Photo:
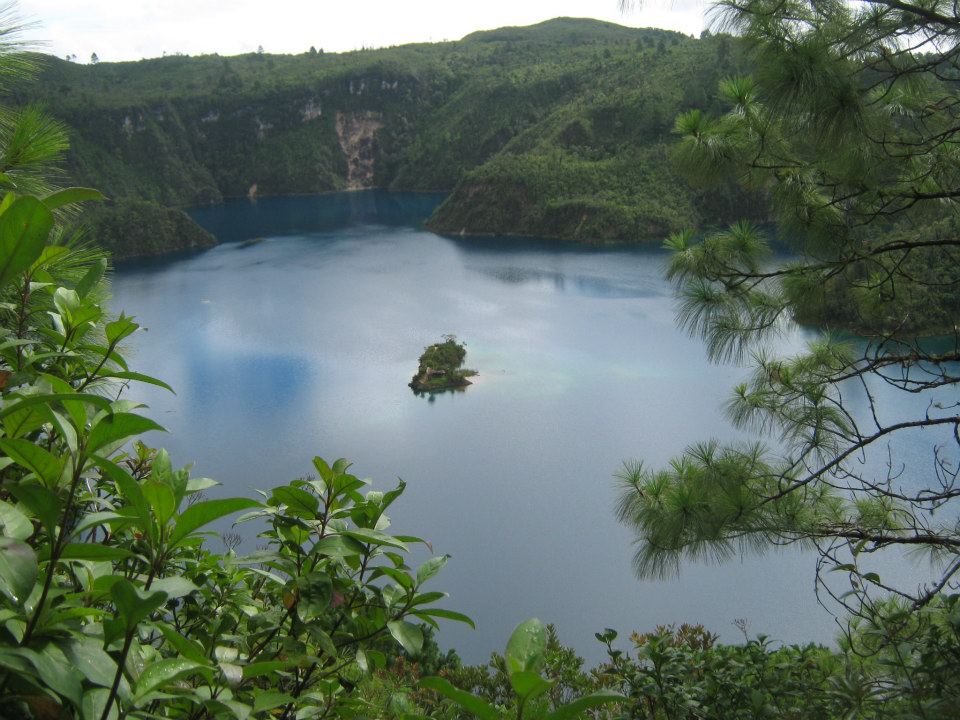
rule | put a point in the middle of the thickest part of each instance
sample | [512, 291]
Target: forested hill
[560, 129]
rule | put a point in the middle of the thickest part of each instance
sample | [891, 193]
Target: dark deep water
[303, 344]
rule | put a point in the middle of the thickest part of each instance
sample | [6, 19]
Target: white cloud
[134, 29]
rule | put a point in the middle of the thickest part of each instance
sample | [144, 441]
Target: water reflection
[304, 344]
[244, 219]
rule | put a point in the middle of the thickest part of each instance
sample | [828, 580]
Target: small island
[441, 367]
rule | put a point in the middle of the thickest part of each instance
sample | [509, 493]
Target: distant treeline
[560, 129]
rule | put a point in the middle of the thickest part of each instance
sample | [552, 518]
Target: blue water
[303, 344]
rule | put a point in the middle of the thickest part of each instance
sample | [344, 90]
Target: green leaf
[479, 707]
[139, 377]
[13, 523]
[92, 551]
[259, 669]
[116, 427]
[202, 513]
[187, 647]
[24, 228]
[71, 195]
[526, 647]
[95, 702]
[407, 634]
[399, 576]
[162, 672]
[18, 569]
[160, 496]
[174, 587]
[446, 615]
[529, 685]
[299, 503]
[373, 537]
[43, 503]
[55, 670]
[337, 546]
[119, 329]
[34, 458]
[195, 485]
[87, 655]
[575, 709]
[92, 277]
[132, 605]
[130, 490]
[314, 592]
[269, 699]
[23, 403]
[430, 568]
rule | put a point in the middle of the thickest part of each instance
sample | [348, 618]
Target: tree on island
[851, 123]
[441, 367]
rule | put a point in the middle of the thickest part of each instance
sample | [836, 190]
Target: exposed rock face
[312, 110]
[357, 134]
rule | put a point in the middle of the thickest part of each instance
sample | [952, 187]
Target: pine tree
[851, 123]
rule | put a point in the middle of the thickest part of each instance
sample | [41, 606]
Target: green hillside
[559, 129]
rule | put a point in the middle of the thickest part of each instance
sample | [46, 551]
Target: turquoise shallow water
[303, 344]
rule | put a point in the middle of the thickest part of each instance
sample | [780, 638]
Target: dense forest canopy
[571, 119]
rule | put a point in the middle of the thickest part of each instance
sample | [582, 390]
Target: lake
[303, 343]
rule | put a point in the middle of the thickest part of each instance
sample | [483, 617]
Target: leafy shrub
[112, 604]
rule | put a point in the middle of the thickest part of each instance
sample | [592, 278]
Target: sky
[133, 29]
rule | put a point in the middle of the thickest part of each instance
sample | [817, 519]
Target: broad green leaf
[161, 672]
[270, 699]
[24, 228]
[399, 576]
[22, 403]
[260, 669]
[187, 647]
[313, 594]
[529, 685]
[160, 496]
[373, 537]
[299, 503]
[430, 568]
[71, 195]
[55, 671]
[92, 277]
[195, 485]
[232, 673]
[66, 301]
[92, 551]
[87, 655]
[526, 647]
[133, 605]
[428, 597]
[130, 490]
[41, 502]
[95, 702]
[13, 523]
[576, 709]
[34, 458]
[139, 377]
[119, 329]
[50, 254]
[446, 615]
[174, 587]
[117, 427]
[407, 634]
[337, 546]
[202, 513]
[479, 707]
[18, 569]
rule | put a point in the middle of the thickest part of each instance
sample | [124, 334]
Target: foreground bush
[112, 604]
